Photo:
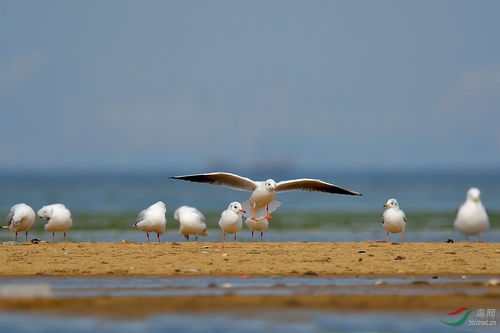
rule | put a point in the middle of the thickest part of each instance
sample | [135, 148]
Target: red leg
[158, 235]
[64, 235]
[186, 237]
[268, 216]
[234, 237]
[196, 237]
[254, 218]
[26, 236]
[16, 236]
[223, 239]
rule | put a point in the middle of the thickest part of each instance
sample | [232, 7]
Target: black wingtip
[349, 192]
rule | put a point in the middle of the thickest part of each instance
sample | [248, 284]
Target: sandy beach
[242, 259]
[252, 259]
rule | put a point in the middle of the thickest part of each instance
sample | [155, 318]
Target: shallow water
[269, 236]
[262, 286]
[286, 321]
[247, 320]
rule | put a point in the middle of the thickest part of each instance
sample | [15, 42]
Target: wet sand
[254, 259]
[140, 307]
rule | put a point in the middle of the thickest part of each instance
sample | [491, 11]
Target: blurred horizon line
[249, 171]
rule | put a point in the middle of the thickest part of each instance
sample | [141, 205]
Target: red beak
[386, 205]
[243, 211]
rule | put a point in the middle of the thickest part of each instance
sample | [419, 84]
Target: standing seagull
[20, 218]
[152, 219]
[472, 218]
[260, 225]
[191, 221]
[264, 192]
[393, 219]
[230, 220]
[58, 218]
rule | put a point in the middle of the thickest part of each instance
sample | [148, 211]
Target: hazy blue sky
[194, 84]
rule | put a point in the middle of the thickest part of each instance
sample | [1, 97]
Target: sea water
[111, 201]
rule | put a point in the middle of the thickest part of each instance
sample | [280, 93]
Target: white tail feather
[247, 207]
[261, 212]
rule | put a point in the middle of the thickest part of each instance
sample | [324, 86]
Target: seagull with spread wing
[264, 192]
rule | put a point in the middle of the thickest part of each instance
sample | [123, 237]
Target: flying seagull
[264, 192]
